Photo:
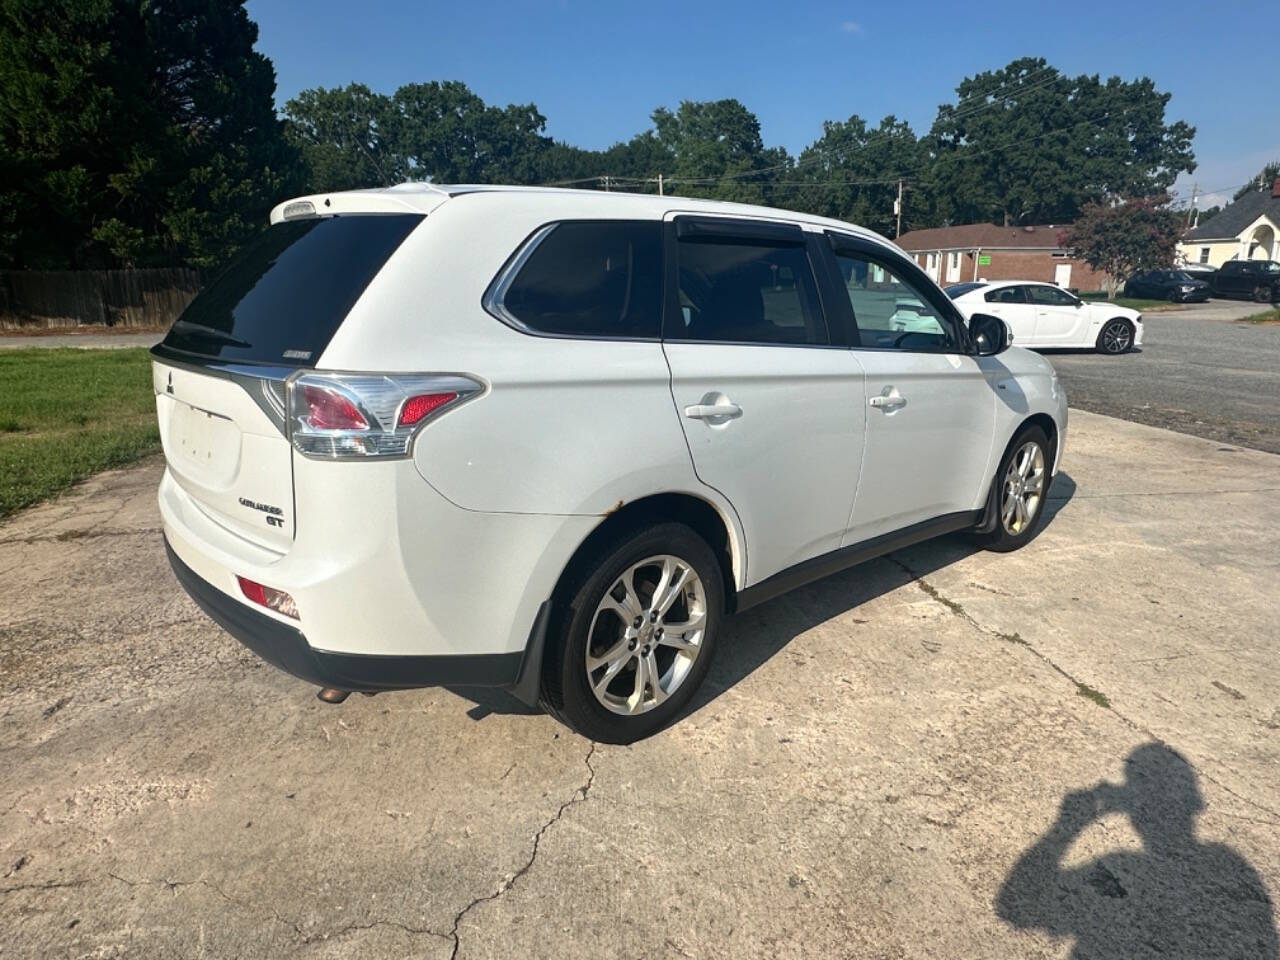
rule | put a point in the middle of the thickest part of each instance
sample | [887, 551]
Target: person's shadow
[1177, 898]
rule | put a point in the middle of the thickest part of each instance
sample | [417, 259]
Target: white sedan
[1043, 316]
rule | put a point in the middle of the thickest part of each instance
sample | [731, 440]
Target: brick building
[984, 251]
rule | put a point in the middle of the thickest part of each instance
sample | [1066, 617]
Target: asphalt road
[1200, 371]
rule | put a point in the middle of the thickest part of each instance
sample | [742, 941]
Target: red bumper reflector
[423, 405]
[268, 597]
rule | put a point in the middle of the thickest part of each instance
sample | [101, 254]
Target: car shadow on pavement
[1176, 897]
[751, 639]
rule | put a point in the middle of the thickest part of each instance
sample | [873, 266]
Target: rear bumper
[287, 648]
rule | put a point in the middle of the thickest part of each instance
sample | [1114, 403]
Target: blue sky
[596, 71]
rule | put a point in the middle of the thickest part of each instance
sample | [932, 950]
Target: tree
[134, 133]
[1026, 144]
[353, 137]
[854, 171]
[1263, 181]
[1126, 238]
[340, 134]
[716, 151]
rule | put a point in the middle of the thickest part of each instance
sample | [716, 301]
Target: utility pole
[1195, 189]
[606, 183]
[660, 193]
[897, 209]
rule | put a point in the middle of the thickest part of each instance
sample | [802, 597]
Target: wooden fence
[38, 299]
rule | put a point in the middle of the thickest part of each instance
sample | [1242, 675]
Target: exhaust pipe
[332, 695]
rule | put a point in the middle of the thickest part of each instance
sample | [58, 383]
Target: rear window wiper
[209, 333]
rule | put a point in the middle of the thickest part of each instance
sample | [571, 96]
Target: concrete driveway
[939, 754]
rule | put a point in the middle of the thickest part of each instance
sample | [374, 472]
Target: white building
[1248, 229]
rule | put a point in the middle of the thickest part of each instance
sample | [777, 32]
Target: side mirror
[990, 334]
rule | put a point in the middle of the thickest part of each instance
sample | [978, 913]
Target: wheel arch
[1050, 428]
[698, 513]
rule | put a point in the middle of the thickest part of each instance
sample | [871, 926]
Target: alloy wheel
[1023, 488]
[1116, 337]
[646, 634]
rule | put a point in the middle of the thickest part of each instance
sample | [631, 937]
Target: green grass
[1135, 303]
[1266, 316]
[66, 414]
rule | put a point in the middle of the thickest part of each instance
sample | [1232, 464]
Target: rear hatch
[219, 375]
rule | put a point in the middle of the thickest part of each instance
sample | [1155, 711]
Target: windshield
[960, 289]
[284, 297]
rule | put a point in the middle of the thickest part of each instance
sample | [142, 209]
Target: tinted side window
[1007, 295]
[890, 312]
[747, 293]
[588, 278]
[1050, 297]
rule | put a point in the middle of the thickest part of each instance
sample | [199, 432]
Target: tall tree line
[137, 132]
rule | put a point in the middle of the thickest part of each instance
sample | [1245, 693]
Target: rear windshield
[960, 289]
[284, 297]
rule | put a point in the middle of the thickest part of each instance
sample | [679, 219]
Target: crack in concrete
[49, 885]
[579, 796]
[1081, 688]
[302, 937]
[70, 535]
[173, 885]
[361, 927]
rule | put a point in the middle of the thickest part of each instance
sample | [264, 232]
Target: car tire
[1115, 337]
[607, 699]
[1173, 296]
[1262, 294]
[1028, 461]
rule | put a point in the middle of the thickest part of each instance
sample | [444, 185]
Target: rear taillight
[268, 597]
[350, 416]
[330, 410]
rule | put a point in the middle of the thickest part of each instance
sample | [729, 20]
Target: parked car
[1258, 279]
[549, 440]
[1177, 286]
[1042, 315]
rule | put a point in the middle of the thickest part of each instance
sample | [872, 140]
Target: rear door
[219, 375]
[930, 406]
[771, 405]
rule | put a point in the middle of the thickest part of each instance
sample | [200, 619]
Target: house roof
[1228, 222]
[986, 235]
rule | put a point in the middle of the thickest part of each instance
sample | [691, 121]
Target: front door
[1062, 275]
[773, 412]
[1059, 316]
[930, 409]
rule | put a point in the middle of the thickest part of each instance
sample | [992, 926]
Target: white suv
[547, 440]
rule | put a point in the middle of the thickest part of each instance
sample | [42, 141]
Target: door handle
[889, 402]
[722, 409]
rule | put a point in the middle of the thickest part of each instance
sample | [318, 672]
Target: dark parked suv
[1259, 279]
[1175, 285]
